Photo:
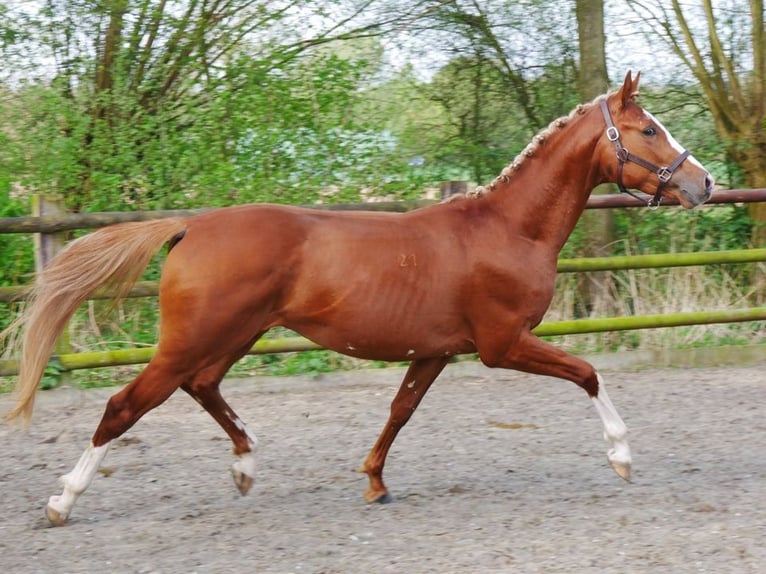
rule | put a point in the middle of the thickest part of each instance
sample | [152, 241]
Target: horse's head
[647, 157]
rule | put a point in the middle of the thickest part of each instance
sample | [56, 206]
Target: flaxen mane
[531, 149]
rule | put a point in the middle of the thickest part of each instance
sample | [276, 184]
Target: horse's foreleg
[533, 355]
[418, 379]
[614, 431]
[152, 387]
[205, 390]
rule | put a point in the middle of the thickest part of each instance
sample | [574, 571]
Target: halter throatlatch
[623, 156]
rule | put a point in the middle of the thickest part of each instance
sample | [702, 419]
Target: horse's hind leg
[204, 388]
[75, 482]
[149, 389]
[417, 380]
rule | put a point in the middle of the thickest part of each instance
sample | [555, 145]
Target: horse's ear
[629, 89]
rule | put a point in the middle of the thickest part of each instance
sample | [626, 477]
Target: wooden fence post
[450, 188]
[47, 245]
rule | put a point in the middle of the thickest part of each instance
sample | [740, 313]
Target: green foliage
[16, 255]
[671, 230]
[304, 363]
[287, 134]
[300, 140]
[477, 118]
[52, 375]
[479, 123]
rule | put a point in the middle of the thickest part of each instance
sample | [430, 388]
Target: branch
[152, 29]
[479, 24]
[712, 84]
[759, 60]
[720, 61]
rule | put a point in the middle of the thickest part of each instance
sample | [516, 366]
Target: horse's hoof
[54, 516]
[244, 482]
[622, 469]
[385, 498]
[378, 497]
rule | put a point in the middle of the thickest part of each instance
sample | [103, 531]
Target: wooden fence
[49, 224]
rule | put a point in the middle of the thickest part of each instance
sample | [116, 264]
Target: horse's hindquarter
[222, 279]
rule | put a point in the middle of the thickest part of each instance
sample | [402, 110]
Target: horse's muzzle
[693, 196]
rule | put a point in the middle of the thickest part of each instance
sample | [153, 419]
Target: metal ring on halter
[623, 154]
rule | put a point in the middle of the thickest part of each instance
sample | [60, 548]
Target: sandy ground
[496, 472]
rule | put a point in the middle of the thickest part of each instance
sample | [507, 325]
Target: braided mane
[531, 149]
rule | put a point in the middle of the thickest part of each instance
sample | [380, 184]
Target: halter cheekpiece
[623, 156]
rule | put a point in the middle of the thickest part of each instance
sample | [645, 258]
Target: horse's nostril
[709, 181]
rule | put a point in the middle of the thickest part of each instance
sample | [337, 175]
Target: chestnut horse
[372, 285]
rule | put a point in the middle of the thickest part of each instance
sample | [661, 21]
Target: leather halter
[623, 156]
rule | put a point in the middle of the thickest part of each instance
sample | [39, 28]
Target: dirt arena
[497, 472]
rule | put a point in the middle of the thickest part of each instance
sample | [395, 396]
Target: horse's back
[353, 281]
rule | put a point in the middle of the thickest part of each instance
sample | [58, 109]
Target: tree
[145, 97]
[725, 49]
[482, 128]
[525, 40]
[511, 70]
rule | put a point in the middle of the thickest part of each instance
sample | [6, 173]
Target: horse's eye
[650, 131]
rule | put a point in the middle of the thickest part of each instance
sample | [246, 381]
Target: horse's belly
[380, 339]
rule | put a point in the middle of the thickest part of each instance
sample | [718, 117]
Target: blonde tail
[113, 257]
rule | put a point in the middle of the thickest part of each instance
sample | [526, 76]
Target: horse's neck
[546, 196]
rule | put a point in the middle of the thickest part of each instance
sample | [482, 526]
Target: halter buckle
[664, 174]
[612, 134]
[623, 154]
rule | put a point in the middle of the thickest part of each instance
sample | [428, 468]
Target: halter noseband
[623, 156]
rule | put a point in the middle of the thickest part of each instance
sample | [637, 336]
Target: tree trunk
[593, 81]
[755, 168]
[108, 56]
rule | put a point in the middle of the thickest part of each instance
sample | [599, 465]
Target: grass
[652, 291]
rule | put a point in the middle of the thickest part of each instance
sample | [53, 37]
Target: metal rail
[53, 224]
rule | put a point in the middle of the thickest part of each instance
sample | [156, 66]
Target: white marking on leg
[76, 481]
[246, 462]
[614, 432]
[251, 438]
